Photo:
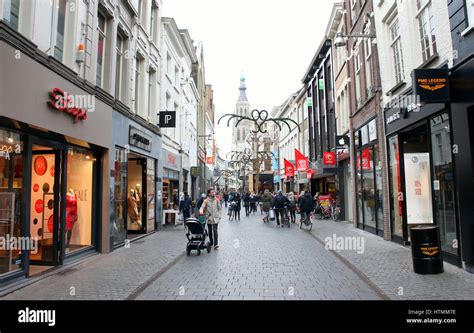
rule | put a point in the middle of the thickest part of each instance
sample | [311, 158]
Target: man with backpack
[279, 204]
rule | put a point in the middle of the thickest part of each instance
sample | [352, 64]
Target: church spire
[243, 89]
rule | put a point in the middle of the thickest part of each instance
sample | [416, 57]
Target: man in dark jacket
[185, 206]
[307, 205]
[279, 203]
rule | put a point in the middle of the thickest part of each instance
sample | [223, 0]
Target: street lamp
[340, 40]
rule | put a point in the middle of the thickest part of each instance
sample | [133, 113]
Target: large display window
[11, 183]
[119, 230]
[79, 199]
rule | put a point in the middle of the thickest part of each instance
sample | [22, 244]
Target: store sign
[310, 102]
[210, 160]
[432, 85]
[342, 141]
[195, 172]
[167, 119]
[139, 139]
[62, 101]
[302, 163]
[6, 150]
[329, 158]
[365, 161]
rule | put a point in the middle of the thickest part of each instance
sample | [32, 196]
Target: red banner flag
[289, 169]
[301, 161]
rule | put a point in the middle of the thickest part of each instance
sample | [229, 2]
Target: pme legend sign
[432, 85]
[167, 119]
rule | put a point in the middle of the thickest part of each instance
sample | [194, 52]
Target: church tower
[241, 108]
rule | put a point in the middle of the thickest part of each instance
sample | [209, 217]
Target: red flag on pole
[289, 169]
[301, 161]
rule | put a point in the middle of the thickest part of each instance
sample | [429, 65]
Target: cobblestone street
[254, 262]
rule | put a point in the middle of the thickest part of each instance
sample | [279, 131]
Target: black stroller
[197, 235]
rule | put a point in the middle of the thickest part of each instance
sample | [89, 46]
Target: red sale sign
[289, 169]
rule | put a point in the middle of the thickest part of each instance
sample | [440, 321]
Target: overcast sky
[271, 41]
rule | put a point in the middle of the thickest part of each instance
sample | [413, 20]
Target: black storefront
[423, 154]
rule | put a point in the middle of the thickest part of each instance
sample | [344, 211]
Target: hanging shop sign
[195, 171]
[329, 158]
[289, 169]
[432, 85]
[62, 101]
[302, 163]
[139, 139]
[210, 160]
[310, 102]
[167, 119]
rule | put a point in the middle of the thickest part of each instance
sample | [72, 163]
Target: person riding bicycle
[279, 204]
[307, 205]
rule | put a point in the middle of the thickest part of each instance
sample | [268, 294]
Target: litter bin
[426, 250]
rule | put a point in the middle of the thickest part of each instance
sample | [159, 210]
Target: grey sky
[271, 41]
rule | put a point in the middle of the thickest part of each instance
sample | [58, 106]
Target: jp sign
[167, 119]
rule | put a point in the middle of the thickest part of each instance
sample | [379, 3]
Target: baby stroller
[197, 235]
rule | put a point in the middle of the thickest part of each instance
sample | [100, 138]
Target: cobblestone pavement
[255, 261]
[260, 262]
[111, 276]
[389, 266]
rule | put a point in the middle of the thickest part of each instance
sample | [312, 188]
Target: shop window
[396, 193]
[119, 231]
[443, 181]
[79, 199]
[151, 189]
[11, 182]
[378, 187]
[369, 195]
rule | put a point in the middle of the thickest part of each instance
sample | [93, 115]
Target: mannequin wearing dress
[132, 208]
[71, 213]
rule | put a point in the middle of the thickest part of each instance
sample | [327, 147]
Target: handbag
[271, 214]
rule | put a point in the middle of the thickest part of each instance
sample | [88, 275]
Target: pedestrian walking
[238, 207]
[247, 204]
[266, 204]
[292, 206]
[279, 203]
[185, 207]
[211, 209]
[253, 203]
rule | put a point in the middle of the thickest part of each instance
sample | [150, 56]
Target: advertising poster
[418, 188]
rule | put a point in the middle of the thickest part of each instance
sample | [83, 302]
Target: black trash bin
[426, 250]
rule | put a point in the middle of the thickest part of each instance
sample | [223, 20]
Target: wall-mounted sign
[171, 161]
[167, 119]
[432, 85]
[195, 171]
[329, 158]
[139, 139]
[61, 101]
[342, 141]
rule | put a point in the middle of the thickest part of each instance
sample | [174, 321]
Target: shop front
[422, 174]
[54, 140]
[344, 185]
[171, 179]
[134, 184]
[369, 179]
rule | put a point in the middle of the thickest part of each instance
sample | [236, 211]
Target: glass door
[44, 211]
[396, 187]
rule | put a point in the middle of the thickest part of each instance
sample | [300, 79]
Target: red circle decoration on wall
[40, 165]
[36, 188]
[51, 170]
[39, 206]
[50, 223]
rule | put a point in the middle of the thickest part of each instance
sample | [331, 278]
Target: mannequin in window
[132, 208]
[138, 197]
[71, 214]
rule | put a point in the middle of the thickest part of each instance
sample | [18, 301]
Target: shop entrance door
[45, 203]
[137, 195]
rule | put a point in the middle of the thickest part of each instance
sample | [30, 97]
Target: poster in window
[418, 188]
[364, 133]
[372, 131]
